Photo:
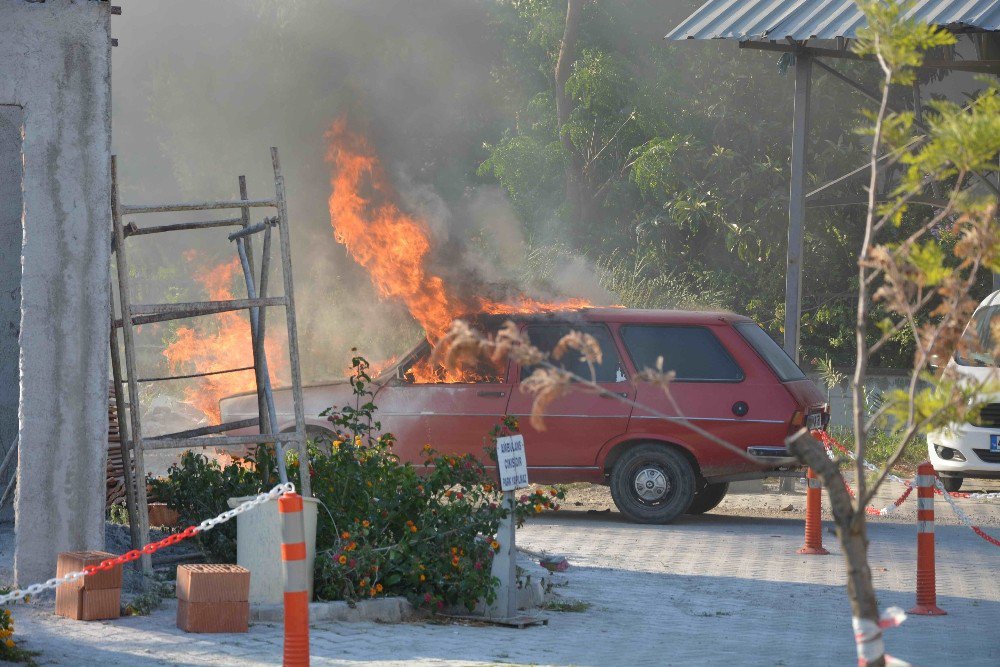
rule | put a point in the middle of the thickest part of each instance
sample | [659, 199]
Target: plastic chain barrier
[828, 440]
[962, 516]
[869, 510]
[153, 547]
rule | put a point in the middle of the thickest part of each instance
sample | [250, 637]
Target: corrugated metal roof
[777, 20]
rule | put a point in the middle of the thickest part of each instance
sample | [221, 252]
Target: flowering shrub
[9, 650]
[391, 530]
[384, 528]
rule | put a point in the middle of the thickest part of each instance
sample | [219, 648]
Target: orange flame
[220, 342]
[395, 247]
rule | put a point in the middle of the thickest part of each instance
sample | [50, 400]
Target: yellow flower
[342, 559]
[423, 578]
[495, 545]
[538, 508]
[9, 643]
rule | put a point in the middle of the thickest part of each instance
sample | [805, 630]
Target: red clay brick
[88, 605]
[161, 515]
[213, 583]
[213, 616]
[74, 561]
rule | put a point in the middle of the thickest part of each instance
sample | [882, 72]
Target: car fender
[642, 436]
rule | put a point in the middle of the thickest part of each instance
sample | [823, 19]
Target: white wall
[55, 62]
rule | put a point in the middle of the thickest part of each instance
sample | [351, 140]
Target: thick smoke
[202, 90]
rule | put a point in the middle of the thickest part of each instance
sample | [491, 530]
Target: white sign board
[511, 462]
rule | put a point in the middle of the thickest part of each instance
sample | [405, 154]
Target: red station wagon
[732, 380]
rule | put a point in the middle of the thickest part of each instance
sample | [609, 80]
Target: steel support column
[797, 203]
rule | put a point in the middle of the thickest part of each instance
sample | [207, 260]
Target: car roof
[623, 316]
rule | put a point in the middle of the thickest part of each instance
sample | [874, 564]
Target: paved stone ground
[709, 590]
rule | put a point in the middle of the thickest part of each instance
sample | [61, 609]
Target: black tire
[952, 484]
[665, 476]
[708, 498]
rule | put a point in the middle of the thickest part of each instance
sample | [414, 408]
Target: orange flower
[538, 508]
[487, 487]
[423, 578]
[454, 561]
[378, 587]
[552, 492]
[413, 528]
[366, 523]
[345, 535]
[495, 545]
[342, 560]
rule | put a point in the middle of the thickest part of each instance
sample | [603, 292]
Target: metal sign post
[513, 468]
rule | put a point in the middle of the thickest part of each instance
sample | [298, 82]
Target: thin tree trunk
[567, 54]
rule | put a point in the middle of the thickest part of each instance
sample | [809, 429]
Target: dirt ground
[596, 499]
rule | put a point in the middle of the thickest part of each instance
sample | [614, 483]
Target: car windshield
[978, 343]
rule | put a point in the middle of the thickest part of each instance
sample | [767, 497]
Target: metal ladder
[129, 315]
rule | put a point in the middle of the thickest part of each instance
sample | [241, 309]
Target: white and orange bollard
[296, 580]
[926, 584]
[814, 518]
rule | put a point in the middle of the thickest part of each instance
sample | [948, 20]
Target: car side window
[546, 336]
[692, 352]
[483, 370]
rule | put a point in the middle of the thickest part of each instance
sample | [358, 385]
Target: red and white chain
[827, 440]
[962, 516]
[207, 524]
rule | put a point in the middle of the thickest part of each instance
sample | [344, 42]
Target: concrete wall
[880, 381]
[55, 62]
[11, 118]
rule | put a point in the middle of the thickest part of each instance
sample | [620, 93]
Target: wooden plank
[121, 263]
[208, 430]
[293, 331]
[221, 441]
[132, 230]
[132, 209]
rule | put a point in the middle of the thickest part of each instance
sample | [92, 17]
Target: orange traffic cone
[814, 522]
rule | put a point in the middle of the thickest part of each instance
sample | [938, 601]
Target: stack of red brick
[213, 598]
[91, 598]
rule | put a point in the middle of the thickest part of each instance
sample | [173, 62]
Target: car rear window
[693, 353]
[771, 352]
[546, 337]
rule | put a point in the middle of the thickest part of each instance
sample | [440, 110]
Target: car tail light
[797, 422]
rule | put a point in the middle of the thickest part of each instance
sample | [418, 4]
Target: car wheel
[951, 484]
[652, 484]
[708, 498]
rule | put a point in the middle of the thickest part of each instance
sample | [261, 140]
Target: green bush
[384, 528]
[881, 445]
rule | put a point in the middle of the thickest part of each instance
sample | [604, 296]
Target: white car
[972, 450]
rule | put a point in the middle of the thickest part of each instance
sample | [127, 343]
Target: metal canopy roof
[801, 20]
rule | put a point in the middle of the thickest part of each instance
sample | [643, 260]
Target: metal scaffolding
[129, 315]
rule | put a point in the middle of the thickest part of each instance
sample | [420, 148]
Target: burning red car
[732, 380]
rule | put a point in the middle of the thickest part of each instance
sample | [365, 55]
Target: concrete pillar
[55, 62]
[797, 204]
[11, 118]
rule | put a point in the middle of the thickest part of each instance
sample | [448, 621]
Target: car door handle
[492, 394]
[612, 394]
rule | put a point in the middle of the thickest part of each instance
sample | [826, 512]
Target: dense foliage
[680, 155]
[384, 527]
